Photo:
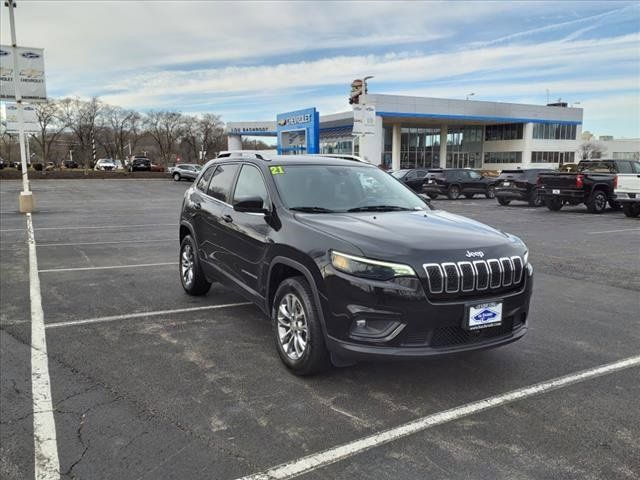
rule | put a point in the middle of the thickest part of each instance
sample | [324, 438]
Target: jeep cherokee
[348, 262]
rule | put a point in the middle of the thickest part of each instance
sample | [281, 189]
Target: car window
[474, 175]
[636, 166]
[221, 182]
[188, 167]
[411, 175]
[421, 173]
[624, 167]
[204, 179]
[250, 184]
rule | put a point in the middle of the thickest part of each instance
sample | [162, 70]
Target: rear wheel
[597, 202]
[297, 329]
[504, 201]
[454, 192]
[176, 177]
[535, 200]
[553, 204]
[191, 275]
[491, 192]
[631, 209]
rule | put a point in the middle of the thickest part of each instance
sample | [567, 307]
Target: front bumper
[564, 194]
[627, 197]
[411, 325]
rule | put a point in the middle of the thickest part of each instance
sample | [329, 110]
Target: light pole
[469, 95]
[364, 84]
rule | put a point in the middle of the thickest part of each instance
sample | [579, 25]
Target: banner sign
[30, 74]
[299, 131]
[364, 120]
[9, 118]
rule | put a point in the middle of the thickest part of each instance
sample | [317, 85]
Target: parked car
[454, 182]
[70, 164]
[187, 171]
[156, 168]
[2, 165]
[412, 178]
[105, 164]
[627, 192]
[521, 184]
[140, 163]
[344, 275]
[593, 184]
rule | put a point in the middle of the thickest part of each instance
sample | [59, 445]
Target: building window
[553, 157]
[503, 157]
[509, 131]
[554, 131]
[626, 155]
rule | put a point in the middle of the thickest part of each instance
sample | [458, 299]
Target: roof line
[476, 117]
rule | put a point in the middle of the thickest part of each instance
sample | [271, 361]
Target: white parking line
[106, 243]
[616, 231]
[110, 267]
[47, 464]
[154, 313]
[77, 227]
[333, 455]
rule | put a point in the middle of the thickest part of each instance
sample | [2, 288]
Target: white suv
[627, 190]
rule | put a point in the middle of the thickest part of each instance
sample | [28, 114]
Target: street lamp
[364, 84]
[470, 95]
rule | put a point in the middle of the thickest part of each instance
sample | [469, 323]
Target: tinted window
[636, 166]
[222, 180]
[624, 167]
[474, 175]
[250, 184]
[204, 179]
[187, 167]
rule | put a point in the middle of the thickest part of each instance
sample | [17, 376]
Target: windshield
[330, 188]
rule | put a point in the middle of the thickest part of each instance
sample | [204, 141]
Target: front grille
[495, 274]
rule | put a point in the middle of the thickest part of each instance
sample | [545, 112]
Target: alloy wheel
[293, 332]
[187, 265]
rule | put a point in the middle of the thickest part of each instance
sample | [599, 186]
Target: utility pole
[26, 201]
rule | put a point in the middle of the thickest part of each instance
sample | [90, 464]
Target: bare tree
[165, 128]
[202, 134]
[80, 116]
[590, 149]
[51, 126]
[118, 131]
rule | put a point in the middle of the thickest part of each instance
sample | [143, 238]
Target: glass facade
[503, 157]
[626, 155]
[554, 131]
[553, 157]
[509, 131]
[336, 145]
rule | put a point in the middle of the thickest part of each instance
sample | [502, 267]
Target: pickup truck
[628, 191]
[593, 184]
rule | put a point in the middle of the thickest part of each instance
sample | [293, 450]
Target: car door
[249, 233]
[215, 217]
[474, 182]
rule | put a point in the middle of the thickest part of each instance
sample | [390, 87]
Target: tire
[468, 195]
[553, 204]
[631, 210]
[176, 177]
[535, 200]
[454, 192]
[597, 202]
[504, 201]
[432, 196]
[195, 283]
[491, 192]
[294, 296]
[614, 205]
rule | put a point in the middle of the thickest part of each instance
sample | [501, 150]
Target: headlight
[526, 257]
[371, 269]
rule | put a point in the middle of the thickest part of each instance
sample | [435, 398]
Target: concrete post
[527, 144]
[395, 147]
[234, 142]
[443, 146]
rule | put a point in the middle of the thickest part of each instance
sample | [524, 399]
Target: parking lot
[149, 383]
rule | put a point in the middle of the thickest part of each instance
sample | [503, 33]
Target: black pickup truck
[593, 184]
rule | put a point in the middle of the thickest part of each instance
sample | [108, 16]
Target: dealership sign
[364, 120]
[9, 118]
[299, 131]
[30, 74]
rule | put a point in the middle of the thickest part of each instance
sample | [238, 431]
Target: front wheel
[504, 201]
[176, 177]
[597, 202]
[491, 192]
[631, 209]
[553, 204]
[454, 192]
[297, 329]
[191, 275]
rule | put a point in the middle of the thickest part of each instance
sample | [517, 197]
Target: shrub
[38, 167]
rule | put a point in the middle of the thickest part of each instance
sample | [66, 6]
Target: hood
[420, 236]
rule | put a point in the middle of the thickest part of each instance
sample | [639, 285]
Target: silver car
[185, 170]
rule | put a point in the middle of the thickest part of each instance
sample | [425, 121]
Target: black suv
[520, 185]
[412, 178]
[454, 182]
[349, 263]
[140, 163]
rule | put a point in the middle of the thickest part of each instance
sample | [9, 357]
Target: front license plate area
[483, 315]
[555, 191]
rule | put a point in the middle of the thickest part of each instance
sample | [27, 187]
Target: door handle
[197, 205]
[227, 218]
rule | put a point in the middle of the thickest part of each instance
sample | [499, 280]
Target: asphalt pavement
[149, 383]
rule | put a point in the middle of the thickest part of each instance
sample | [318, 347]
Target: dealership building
[413, 132]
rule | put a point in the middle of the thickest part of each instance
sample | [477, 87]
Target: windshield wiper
[379, 208]
[312, 209]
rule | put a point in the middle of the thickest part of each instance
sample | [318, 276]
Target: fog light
[361, 323]
[373, 329]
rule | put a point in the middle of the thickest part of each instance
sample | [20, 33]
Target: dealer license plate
[505, 184]
[430, 181]
[484, 315]
[555, 191]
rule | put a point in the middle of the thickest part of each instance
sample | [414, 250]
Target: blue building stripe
[476, 117]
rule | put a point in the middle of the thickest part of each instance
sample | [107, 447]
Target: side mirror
[250, 205]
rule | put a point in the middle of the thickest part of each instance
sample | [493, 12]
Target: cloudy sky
[250, 60]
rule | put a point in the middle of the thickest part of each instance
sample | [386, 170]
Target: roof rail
[344, 156]
[242, 153]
